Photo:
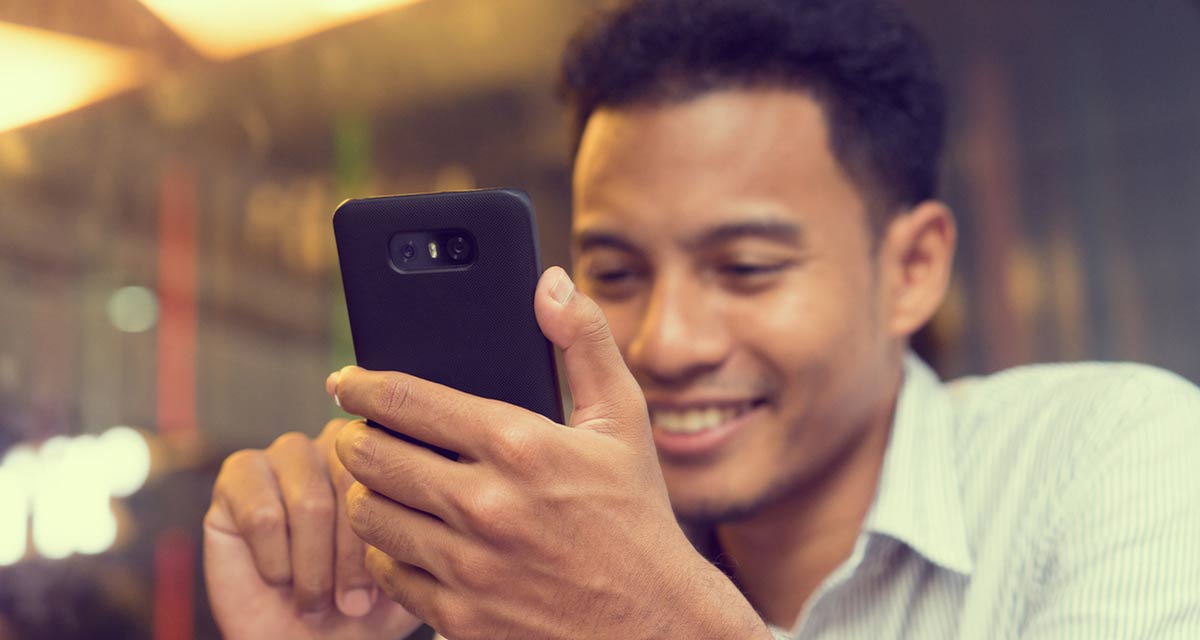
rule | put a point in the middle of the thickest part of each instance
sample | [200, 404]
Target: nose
[680, 336]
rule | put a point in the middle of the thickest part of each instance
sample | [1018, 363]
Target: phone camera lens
[458, 248]
[408, 252]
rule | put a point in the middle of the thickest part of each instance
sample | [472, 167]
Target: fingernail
[356, 603]
[331, 386]
[563, 288]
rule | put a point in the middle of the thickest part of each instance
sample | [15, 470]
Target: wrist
[710, 606]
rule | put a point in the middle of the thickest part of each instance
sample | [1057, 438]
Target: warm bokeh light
[127, 460]
[224, 29]
[66, 486]
[14, 517]
[45, 73]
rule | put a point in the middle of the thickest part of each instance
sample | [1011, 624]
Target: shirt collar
[919, 500]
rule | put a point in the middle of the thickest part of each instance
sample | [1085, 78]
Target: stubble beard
[794, 484]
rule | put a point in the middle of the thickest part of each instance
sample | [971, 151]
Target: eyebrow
[780, 232]
[594, 239]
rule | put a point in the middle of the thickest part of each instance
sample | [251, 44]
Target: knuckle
[277, 576]
[405, 471]
[357, 497]
[238, 460]
[516, 444]
[595, 328]
[394, 393]
[461, 504]
[356, 447]
[490, 510]
[329, 433]
[360, 508]
[289, 441]
[263, 519]
[314, 507]
[333, 426]
[472, 571]
[313, 592]
[212, 516]
[274, 572]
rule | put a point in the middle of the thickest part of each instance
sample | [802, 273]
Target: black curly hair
[862, 61]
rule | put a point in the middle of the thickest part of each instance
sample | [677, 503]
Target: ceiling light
[224, 29]
[45, 73]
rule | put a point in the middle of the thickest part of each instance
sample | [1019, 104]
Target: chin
[715, 512]
[715, 507]
[711, 496]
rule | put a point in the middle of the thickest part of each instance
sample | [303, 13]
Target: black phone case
[470, 328]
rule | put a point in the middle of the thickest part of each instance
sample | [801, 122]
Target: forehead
[708, 160]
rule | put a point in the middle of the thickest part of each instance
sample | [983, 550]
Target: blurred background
[168, 281]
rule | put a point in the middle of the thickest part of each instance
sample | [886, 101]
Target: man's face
[732, 256]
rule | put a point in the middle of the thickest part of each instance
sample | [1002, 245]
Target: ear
[916, 255]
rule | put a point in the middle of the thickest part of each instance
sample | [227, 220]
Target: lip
[697, 446]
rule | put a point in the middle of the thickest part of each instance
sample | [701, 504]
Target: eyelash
[748, 270]
[612, 276]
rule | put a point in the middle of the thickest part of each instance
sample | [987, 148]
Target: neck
[782, 553]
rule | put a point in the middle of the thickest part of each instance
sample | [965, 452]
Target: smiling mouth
[701, 417]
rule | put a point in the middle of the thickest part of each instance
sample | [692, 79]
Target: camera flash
[433, 250]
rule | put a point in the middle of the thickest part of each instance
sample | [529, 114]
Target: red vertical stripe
[177, 303]
[174, 575]
[176, 409]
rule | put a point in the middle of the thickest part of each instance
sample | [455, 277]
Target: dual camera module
[426, 250]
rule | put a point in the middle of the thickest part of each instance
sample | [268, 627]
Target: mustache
[708, 385]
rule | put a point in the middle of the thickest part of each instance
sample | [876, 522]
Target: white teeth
[696, 420]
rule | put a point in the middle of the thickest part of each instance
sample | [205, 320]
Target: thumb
[606, 396]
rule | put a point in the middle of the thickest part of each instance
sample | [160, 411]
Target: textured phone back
[472, 329]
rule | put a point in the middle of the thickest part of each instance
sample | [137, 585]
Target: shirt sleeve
[1126, 559]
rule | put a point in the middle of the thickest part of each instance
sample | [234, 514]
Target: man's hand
[538, 531]
[280, 557]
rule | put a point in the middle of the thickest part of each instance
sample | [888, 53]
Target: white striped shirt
[1050, 501]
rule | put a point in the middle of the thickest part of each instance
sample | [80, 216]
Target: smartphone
[440, 286]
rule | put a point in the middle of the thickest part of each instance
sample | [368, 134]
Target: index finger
[425, 410]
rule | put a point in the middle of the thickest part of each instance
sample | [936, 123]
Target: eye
[750, 275]
[747, 269]
[611, 276]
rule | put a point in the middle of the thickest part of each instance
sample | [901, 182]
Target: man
[755, 218]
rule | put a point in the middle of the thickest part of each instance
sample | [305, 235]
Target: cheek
[801, 319]
[623, 320]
